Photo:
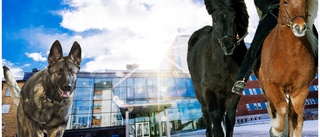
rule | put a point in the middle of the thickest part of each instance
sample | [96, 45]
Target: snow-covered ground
[310, 129]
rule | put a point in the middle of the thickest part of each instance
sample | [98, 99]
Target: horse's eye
[285, 2]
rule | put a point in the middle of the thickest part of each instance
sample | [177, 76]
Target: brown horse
[288, 66]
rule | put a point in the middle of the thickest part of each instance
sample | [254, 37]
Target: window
[5, 108]
[7, 93]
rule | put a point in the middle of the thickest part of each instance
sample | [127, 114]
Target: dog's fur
[45, 98]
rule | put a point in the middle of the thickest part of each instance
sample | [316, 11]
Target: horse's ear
[75, 53]
[55, 52]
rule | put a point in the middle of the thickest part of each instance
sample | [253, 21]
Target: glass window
[123, 93]
[181, 87]
[130, 92]
[140, 82]
[81, 121]
[7, 93]
[248, 107]
[106, 119]
[84, 82]
[101, 84]
[82, 107]
[167, 87]
[119, 82]
[106, 106]
[116, 91]
[190, 87]
[140, 88]
[152, 87]
[97, 95]
[83, 94]
[194, 103]
[129, 81]
[184, 113]
[174, 114]
[107, 94]
[263, 105]
[152, 92]
[114, 119]
[96, 120]
[183, 103]
[5, 108]
[114, 107]
[141, 92]
[315, 100]
[97, 106]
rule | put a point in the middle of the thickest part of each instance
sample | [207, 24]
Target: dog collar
[57, 102]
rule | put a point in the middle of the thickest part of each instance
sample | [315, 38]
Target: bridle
[240, 39]
[290, 20]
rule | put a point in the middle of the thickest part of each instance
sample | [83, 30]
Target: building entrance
[142, 129]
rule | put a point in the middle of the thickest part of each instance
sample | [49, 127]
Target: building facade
[94, 104]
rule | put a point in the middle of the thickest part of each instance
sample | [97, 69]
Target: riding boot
[252, 57]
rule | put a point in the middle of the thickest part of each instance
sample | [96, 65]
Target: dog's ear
[75, 53]
[55, 52]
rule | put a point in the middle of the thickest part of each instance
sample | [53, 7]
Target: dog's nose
[67, 87]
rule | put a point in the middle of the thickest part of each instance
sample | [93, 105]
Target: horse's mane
[312, 14]
[240, 9]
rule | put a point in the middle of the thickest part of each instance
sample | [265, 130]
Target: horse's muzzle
[299, 30]
[227, 44]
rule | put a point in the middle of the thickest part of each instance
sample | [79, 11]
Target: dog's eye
[60, 71]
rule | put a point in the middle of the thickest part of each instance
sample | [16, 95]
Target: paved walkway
[310, 129]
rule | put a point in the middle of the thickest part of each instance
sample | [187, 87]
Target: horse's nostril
[296, 27]
[304, 27]
[300, 29]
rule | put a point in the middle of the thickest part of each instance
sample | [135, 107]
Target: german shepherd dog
[45, 98]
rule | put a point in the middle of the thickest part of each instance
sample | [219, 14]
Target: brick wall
[9, 119]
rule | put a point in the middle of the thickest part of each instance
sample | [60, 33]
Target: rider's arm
[267, 6]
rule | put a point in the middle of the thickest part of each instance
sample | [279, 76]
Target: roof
[141, 108]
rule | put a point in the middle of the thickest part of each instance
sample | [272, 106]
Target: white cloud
[131, 31]
[119, 32]
[36, 56]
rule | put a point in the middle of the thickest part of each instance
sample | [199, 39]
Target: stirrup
[238, 87]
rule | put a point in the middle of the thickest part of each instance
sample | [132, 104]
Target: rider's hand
[272, 8]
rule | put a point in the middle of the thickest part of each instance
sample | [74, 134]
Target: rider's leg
[265, 26]
[315, 32]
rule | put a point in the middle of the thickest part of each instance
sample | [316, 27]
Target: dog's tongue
[65, 93]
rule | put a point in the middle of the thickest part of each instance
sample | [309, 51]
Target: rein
[240, 39]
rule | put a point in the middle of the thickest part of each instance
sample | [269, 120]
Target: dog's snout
[67, 87]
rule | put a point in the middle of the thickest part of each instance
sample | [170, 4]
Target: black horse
[214, 56]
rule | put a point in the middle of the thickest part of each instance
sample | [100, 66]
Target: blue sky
[19, 20]
[112, 33]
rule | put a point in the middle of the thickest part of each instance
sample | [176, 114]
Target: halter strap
[290, 20]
